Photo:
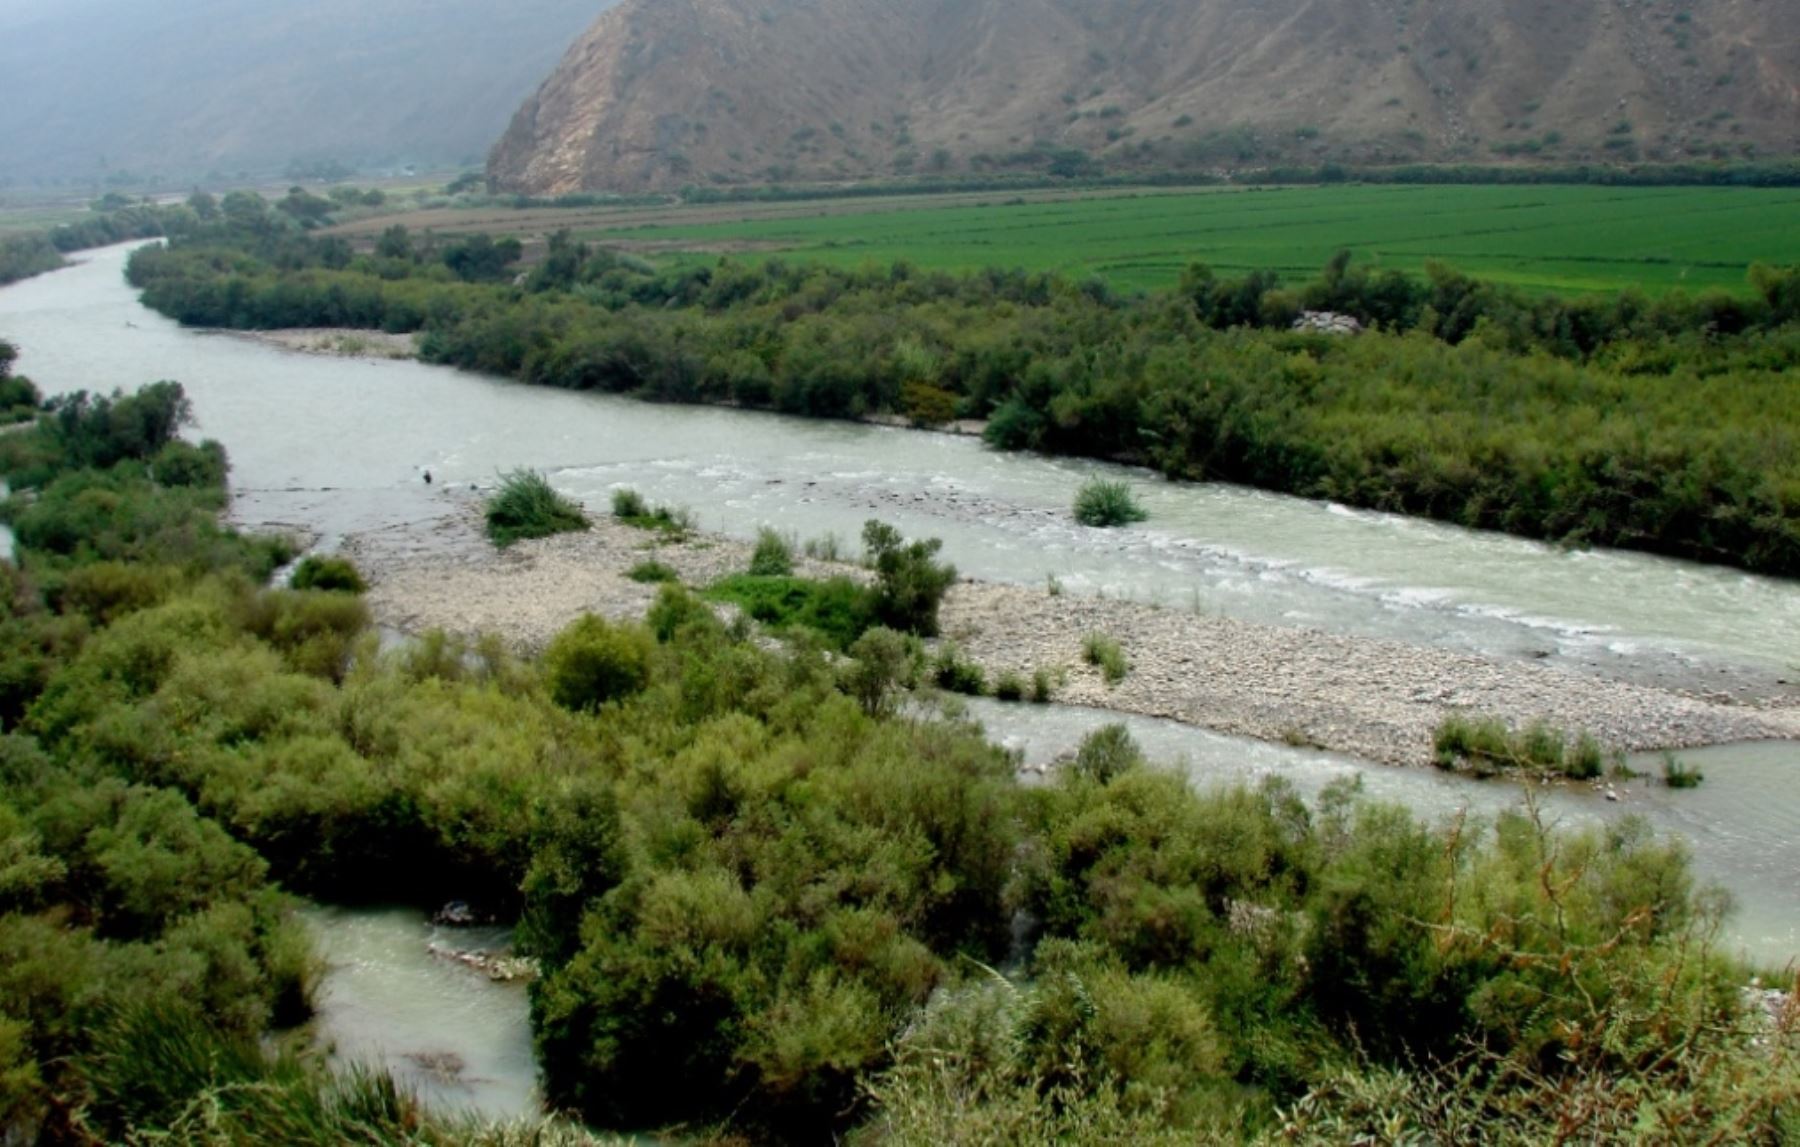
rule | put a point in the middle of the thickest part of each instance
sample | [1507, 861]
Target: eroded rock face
[661, 94]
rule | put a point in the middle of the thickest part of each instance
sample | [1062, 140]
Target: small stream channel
[457, 1038]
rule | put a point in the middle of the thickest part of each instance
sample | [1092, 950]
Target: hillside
[662, 93]
[183, 87]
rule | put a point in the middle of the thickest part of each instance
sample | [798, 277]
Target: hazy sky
[186, 86]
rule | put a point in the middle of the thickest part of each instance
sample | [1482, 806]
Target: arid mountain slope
[662, 93]
[181, 87]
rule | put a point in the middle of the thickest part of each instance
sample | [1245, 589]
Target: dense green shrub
[527, 506]
[774, 555]
[837, 609]
[653, 572]
[320, 572]
[593, 662]
[909, 583]
[1104, 503]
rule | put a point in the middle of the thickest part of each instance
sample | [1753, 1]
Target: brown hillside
[663, 93]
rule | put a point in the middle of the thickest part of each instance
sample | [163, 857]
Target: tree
[909, 583]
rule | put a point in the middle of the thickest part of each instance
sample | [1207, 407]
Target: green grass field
[1549, 238]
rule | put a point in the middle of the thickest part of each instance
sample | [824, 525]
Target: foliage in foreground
[526, 506]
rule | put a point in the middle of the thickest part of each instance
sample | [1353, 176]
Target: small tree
[909, 583]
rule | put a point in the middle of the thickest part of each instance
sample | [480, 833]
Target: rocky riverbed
[1375, 699]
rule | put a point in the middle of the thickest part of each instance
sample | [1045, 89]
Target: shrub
[910, 584]
[1102, 503]
[1105, 753]
[1484, 746]
[1105, 653]
[338, 575]
[1043, 688]
[593, 662]
[527, 506]
[883, 664]
[1677, 774]
[652, 572]
[1009, 686]
[630, 507]
[957, 675]
[774, 556]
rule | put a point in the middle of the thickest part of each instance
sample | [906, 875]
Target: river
[340, 447]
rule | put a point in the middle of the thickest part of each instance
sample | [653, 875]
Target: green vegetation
[653, 572]
[1103, 504]
[1678, 774]
[1486, 747]
[327, 573]
[774, 555]
[629, 507]
[1105, 654]
[1658, 424]
[837, 609]
[1568, 239]
[764, 909]
[527, 506]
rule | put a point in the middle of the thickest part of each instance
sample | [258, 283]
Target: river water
[445, 1031]
[340, 447]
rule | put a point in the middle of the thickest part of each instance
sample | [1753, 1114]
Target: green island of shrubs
[766, 904]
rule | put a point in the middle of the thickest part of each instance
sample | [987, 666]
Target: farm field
[1543, 238]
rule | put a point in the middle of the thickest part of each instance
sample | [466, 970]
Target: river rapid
[339, 448]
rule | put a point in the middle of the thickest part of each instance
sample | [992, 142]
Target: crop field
[1543, 238]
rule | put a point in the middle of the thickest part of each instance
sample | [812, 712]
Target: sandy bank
[1371, 698]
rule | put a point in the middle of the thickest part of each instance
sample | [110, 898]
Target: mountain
[182, 87]
[662, 93]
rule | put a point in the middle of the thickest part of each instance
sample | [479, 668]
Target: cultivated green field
[1566, 239]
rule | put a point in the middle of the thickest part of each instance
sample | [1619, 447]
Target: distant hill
[662, 93]
[181, 87]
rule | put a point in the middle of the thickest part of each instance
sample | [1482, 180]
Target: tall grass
[1106, 655]
[1104, 503]
[527, 506]
[1486, 747]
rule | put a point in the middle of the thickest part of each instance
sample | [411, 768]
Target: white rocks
[1328, 323]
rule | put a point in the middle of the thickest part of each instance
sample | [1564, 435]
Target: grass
[653, 572]
[1105, 654]
[1678, 774]
[836, 609]
[630, 507]
[1104, 504]
[1563, 239]
[1486, 747]
[527, 506]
